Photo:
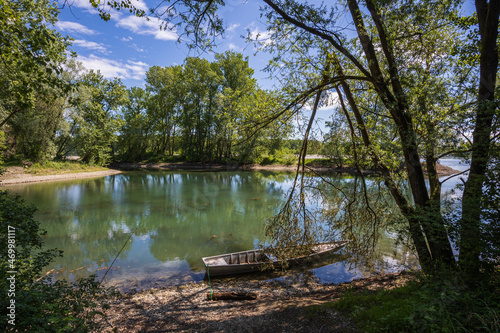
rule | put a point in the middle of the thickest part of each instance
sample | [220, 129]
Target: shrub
[34, 303]
[428, 306]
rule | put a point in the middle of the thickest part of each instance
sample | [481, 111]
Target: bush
[429, 306]
[35, 304]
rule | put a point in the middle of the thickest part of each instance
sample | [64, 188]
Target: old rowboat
[256, 260]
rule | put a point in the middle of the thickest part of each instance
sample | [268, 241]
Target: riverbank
[20, 175]
[279, 307]
[187, 166]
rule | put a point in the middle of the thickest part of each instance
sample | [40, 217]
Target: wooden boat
[256, 260]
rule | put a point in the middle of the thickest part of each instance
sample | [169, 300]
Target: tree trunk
[470, 247]
[396, 103]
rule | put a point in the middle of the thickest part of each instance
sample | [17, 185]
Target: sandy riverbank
[186, 166]
[17, 175]
[278, 307]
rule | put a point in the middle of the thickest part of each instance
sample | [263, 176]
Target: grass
[55, 168]
[319, 162]
[423, 306]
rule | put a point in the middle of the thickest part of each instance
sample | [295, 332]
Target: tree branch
[320, 34]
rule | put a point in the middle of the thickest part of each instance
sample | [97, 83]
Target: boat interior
[247, 257]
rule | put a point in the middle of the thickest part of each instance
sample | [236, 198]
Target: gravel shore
[278, 307]
[16, 175]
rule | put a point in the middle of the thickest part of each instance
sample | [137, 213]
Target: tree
[198, 104]
[137, 129]
[31, 54]
[163, 109]
[34, 130]
[97, 106]
[237, 83]
[488, 13]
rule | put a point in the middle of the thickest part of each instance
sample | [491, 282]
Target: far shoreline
[17, 175]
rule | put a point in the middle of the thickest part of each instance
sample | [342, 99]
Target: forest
[410, 82]
[196, 111]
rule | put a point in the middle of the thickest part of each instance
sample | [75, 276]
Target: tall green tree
[33, 131]
[163, 83]
[484, 131]
[202, 96]
[31, 54]
[237, 83]
[97, 107]
[137, 130]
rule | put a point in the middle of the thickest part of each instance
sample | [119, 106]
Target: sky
[126, 46]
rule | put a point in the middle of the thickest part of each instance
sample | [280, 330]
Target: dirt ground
[278, 307]
[18, 175]
[186, 166]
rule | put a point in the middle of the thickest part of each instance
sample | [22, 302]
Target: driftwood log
[230, 296]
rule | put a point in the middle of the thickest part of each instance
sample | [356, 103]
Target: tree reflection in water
[176, 218]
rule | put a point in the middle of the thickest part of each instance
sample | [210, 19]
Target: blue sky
[126, 46]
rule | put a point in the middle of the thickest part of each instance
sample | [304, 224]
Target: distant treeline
[198, 111]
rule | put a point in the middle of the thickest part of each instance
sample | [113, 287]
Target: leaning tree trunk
[470, 235]
[426, 219]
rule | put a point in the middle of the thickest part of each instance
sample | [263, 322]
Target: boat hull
[245, 262]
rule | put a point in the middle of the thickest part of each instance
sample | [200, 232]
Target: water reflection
[175, 218]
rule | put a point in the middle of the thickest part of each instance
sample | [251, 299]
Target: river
[158, 225]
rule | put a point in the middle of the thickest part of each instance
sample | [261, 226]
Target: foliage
[31, 54]
[97, 118]
[57, 167]
[424, 307]
[35, 128]
[336, 142]
[39, 304]
[204, 111]
[138, 127]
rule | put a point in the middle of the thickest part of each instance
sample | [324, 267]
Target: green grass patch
[424, 307]
[319, 162]
[165, 159]
[55, 168]
[280, 160]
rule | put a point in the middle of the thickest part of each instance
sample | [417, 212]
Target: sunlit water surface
[161, 224]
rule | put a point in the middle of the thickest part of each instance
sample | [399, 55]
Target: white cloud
[259, 36]
[232, 27]
[139, 4]
[137, 69]
[142, 26]
[84, 4]
[113, 68]
[329, 101]
[126, 39]
[91, 45]
[234, 47]
[73, 27]
[87, 6]
[137, 48]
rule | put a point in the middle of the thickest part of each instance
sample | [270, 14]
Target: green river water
[166, 222]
